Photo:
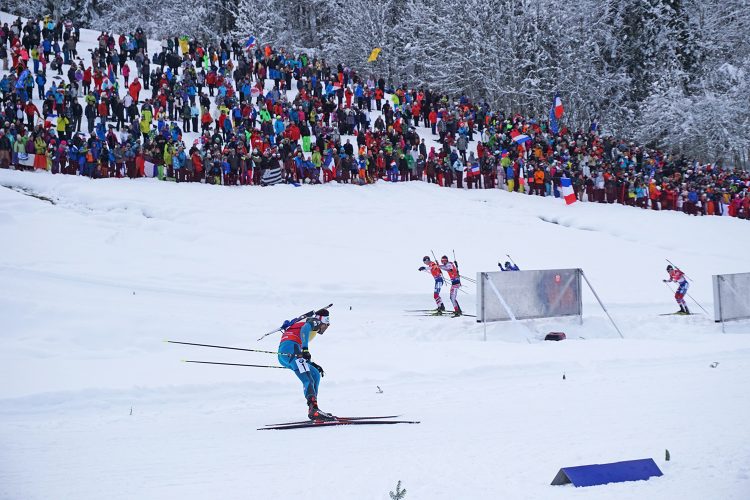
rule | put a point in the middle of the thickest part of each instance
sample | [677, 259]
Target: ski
[334, 423]
[446, 313]
[676, 314]
[337, 418]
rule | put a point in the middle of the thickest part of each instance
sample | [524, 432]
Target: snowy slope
[96, 274]
[94, 282]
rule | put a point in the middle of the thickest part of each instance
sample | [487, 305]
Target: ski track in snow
[97, 274]
[90, 295]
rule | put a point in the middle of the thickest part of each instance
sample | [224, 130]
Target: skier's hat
[323, 314]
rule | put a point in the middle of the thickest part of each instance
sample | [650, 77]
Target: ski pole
[666, 283]
[698, 304]
[226, 347]
[230, 364]
[434, 257]
[301, 316]
[461, 275]
[436, 262]
[511, 260]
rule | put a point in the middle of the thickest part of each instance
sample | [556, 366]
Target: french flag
[521, 139]
[553, 125]
[557, 105]
[251, 42]
[474, 170]
[567, 191]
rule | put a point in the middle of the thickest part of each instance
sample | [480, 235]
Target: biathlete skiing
[508, 266]
[434, 269]
[677, 276]
[452, 269]
[294, 354]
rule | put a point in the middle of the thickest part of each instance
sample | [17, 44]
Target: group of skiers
[294, 347]
[436, 271]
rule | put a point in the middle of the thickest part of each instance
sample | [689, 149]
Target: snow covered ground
[96, 274]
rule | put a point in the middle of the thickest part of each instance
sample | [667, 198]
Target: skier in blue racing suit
[294, 354]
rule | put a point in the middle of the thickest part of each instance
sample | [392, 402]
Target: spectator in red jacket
[134, 89]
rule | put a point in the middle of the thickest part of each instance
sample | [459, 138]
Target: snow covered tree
[308, 22]
[451, 49]
[168, 18]
[709, 117]
[260, 18]
[361, 30]
[84, 11]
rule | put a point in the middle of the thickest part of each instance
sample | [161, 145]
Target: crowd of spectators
[240, 114]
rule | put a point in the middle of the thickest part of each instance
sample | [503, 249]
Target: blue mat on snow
[616, 472]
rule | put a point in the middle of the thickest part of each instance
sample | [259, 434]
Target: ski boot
[682, 310]
[440, 310]
[457, 312]
[687, 311]
[314, 413]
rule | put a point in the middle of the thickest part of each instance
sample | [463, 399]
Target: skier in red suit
[677, 276]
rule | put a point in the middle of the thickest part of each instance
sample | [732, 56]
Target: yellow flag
[374, 55]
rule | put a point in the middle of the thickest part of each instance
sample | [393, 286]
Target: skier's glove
[286, 324]
[421, 268]
[665, 281]
[319, 368]
[305, 354]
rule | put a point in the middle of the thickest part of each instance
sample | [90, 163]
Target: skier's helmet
[425, 259]
[324, 318]
[444, 258]
[507, 264]
[669, 267]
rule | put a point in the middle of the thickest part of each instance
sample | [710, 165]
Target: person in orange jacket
[206, 120]
[433, 116]
[134, 89]
[434, 269]
[378, 98]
